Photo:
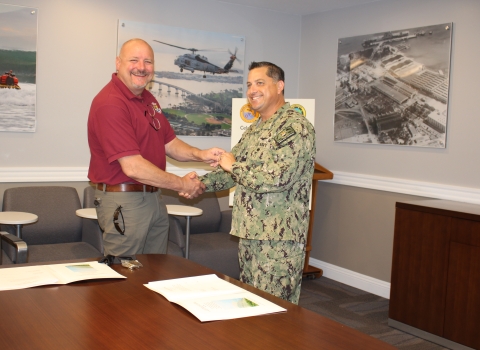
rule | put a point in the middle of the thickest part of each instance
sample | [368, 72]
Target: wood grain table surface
[124, 314]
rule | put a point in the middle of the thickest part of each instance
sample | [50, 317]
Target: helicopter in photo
[196, 62]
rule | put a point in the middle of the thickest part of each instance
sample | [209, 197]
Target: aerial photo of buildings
[392, 87]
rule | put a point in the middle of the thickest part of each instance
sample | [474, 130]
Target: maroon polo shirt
[118, 127]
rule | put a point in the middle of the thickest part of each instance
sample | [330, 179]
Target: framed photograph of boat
[18, 57]
[392, 87]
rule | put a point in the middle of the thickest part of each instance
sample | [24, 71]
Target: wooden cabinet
[435, 285]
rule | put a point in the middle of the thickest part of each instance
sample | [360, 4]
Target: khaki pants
[146, 222]
[275, 267]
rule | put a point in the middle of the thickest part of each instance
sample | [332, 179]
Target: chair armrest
[21, 249]
[226, 221]
[175, 234]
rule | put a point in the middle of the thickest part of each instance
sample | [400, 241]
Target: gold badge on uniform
[284, 135]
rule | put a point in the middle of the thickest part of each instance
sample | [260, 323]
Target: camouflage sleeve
[217, 180]
[275, 169]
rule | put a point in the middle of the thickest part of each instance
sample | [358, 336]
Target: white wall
[75, 58]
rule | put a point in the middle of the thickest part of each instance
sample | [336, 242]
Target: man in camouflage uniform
[272, 167]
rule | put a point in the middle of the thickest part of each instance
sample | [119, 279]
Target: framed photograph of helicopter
[197, 73]
[18, 65]
[392, 87]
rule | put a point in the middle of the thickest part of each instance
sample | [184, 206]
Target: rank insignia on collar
[284, 135]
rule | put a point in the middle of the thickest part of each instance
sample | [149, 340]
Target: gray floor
[357, 309]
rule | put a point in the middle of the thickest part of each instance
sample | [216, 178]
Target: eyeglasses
[155, 123]
[116, 222]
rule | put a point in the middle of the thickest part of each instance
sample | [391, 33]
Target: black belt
[127, 188]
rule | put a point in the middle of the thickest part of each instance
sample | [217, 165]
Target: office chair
[59, 234]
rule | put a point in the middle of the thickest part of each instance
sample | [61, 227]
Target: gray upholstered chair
[59, 234]
[14, 247]
[90, 226]
[211, 244]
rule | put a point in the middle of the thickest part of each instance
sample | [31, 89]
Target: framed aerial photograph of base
[392, 87]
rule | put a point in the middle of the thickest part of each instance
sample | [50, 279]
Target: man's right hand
[138, 168]
[192, 187]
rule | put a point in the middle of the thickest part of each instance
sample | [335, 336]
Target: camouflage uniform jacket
[273, 173]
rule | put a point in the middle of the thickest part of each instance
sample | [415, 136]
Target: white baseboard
[353, 279]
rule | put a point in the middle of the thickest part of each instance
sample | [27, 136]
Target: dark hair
[273, 71]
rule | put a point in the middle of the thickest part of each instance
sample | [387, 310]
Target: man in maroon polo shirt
[129, 138]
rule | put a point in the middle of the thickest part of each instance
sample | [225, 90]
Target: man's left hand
[226, 160]
[211, 156]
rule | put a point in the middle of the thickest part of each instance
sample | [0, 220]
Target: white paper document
[32, 276]
[210, 298]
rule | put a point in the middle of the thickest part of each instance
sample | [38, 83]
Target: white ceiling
[299, 7]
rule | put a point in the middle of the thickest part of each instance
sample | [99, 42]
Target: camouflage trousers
[275, 267]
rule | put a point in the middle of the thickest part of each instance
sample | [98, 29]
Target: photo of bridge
[197, 114]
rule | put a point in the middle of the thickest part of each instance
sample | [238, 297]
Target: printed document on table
[33, 276]
[25, 277]
[210, 298]
[68, 273]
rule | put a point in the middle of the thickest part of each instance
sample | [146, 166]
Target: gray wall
[454, 165]
[353, 226]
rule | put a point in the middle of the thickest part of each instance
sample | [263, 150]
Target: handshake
[192, 186]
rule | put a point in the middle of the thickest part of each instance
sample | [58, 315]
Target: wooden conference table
[124, 314]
